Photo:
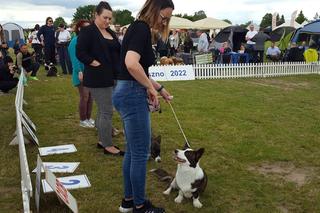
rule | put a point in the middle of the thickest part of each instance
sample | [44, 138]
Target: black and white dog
[155, 148]
[190, 179]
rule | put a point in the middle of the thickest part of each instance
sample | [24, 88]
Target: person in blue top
[46, 35]
[85, 104]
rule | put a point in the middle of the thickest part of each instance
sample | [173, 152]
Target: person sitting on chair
[295, 53]
[225, 51]
[311, 54]
[273, 52]
[7, 81]
[26, 61]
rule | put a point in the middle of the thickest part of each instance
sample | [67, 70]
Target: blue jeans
[130, 100]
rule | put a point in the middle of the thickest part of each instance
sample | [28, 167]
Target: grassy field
[261, 140]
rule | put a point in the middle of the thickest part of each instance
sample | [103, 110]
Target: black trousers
[49, 54]
[38, 50]
[33, 68]
[6, 86]
[260, 55]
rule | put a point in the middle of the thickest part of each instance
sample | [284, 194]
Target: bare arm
[136, 70]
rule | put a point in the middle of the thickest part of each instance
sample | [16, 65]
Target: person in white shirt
[36, 44]
[63, 38]
[203, 43]
[273, 52]
[251, 44]
[174, 42]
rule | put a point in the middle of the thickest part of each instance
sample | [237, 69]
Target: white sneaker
[91, 121]
[85, 124]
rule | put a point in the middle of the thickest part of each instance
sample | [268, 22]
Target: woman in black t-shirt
[134, 89]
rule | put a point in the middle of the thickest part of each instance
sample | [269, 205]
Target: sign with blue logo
[72, 182]
[172, 73]
[59, 167]
[51, 150]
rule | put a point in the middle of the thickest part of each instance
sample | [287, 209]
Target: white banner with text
[172, 73]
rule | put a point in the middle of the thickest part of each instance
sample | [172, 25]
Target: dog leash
[175, 116]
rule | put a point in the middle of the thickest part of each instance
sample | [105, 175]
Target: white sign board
[28, 120]
[72, 182]
[172, 73]
[51, 150]
[59, 167]
[61, 191]
[38, 183]
[33, 136]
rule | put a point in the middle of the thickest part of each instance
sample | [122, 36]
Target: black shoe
[99, 146]
[148, 208]
[126, 206]
[120, 153]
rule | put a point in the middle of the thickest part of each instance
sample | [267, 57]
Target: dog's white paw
[196, 203]
[178, 199]
[167, 192]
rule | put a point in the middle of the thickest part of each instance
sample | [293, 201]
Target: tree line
[124, 17]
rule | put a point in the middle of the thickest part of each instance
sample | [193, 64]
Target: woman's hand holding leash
[166, 95]
[152, 96]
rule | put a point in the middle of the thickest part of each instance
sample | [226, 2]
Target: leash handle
[175, 116]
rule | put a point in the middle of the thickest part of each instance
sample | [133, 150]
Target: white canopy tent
[210, 23]
[180, 23]
[288, 24]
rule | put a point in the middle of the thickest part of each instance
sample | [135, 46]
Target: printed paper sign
[61, 191]
[72, 182]
[51, 150]
[59, 167]
[28, 120]
[33, 136]
[172, 73]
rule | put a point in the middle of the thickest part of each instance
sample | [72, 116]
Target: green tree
[301, 18]
[186, 16]
[199, 15]
[281, 20]
[227, 20]
[266, 20]
[59, 21]
[84, 12]
[122, 17]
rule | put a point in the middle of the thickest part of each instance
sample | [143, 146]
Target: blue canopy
[312, 28]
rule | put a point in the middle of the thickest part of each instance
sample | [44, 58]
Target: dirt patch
[285, 171]
[280, 84]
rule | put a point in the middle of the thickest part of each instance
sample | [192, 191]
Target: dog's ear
[199, 153]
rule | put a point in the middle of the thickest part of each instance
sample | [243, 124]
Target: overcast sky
[27, 13]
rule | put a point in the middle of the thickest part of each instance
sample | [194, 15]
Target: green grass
[240, 123]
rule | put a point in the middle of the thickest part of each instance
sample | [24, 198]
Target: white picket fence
[26, 186]
[221, 71]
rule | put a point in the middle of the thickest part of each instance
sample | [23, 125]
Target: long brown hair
[150, 13]
[1, 34]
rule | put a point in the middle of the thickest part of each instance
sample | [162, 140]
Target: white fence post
[254, 70]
